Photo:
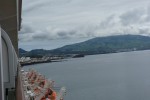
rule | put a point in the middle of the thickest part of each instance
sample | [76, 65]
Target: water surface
[118, 76]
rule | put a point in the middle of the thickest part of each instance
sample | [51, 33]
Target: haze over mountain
[100, 45]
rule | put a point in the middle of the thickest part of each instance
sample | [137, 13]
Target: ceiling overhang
[10, 15]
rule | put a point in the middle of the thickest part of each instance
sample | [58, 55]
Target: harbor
[24, 61]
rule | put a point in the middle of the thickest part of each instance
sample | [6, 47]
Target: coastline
[39, 62]
[60, 60]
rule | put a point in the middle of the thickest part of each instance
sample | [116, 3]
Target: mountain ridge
[102, 45]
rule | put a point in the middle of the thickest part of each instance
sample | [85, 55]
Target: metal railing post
[1, 70]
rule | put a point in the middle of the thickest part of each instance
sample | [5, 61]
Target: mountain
[37, 53]
[109, 44]
[22, 52]
[101, 45]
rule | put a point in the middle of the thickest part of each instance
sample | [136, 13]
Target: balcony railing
[13, 83]
[8, 69]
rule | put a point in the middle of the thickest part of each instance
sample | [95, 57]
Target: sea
[116, 76]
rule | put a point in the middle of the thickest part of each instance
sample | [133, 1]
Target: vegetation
[102, 45]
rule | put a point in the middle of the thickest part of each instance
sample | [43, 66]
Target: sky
[49, 24]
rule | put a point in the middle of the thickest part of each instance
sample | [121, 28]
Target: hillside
[108, 44]
[22, 52]
[102, 45]
[37, 53]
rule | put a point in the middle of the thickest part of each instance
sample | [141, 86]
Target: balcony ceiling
[10, 19]
[10, 15]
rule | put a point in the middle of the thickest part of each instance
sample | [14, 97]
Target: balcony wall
[10, 80]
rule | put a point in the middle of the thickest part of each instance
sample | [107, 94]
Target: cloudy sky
[49, 24]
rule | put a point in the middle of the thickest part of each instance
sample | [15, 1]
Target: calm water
[120, 76]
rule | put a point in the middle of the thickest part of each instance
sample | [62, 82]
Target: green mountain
[37, 53]
[110, 44]
[102, 45]
[22, 52]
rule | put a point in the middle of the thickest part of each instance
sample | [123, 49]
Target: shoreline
[39, 62]
[60, 60]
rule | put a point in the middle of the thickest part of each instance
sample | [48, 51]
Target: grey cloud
[132, 17]
[130, 22]
[55, 33]
[148, 10]
[62, 34]
[25, 28]
[40, 36]
[35, 5]
[108, 22]
[143, 31]
[148, 14]
[73, 23]
[66, 34]
[73, 19]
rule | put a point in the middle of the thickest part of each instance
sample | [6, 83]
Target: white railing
[1, 72]
[8, 61]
